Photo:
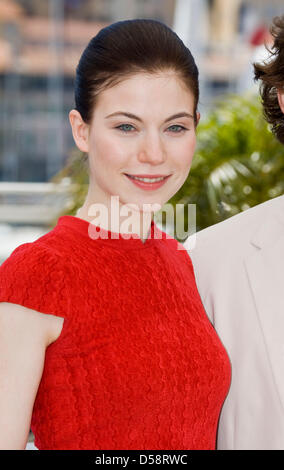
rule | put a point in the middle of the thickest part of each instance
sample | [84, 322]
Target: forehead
[163, 88]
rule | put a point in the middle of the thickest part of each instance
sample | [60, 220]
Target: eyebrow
[132, 116]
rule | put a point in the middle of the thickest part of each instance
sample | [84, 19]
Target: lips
[148, 178]
[148, 182]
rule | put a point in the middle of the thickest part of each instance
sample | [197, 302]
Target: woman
[105, 341]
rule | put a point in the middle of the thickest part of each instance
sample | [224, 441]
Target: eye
[180, 127]
[126, 128]
[123, 126]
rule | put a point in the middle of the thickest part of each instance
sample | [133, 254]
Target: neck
[113, 219]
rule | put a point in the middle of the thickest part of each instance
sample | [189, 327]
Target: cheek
[186, 152]
[107, 153]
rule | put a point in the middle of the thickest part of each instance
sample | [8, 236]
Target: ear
[197, 118]
[80, 130]
[280, 95]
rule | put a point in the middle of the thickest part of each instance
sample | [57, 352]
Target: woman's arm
[24, 336]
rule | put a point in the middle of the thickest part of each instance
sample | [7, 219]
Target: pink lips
[150, 176]
[148, 186]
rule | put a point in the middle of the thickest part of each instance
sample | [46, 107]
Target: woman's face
[143, 126]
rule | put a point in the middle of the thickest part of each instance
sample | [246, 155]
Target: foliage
[74, 172]
[238, 163]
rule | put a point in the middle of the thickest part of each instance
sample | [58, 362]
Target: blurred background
[238, 162]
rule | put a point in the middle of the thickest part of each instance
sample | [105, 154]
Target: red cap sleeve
[35, 277]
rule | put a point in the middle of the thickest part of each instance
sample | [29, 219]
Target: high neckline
[94, 234]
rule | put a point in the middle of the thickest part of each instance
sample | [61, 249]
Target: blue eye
[181, 128]
[122, 127]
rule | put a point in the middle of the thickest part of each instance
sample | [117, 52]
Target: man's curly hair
[271, 75]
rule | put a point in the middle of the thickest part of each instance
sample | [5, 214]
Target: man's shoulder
[243, 221]
[237, 229]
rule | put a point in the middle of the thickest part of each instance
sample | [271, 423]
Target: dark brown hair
[128, 47]
[271, 74]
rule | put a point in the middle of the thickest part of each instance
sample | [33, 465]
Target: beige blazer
[239, 268]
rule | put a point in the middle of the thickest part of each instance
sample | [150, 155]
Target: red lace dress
[138, 364]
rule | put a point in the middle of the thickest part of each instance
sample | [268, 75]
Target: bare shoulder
[21, 321]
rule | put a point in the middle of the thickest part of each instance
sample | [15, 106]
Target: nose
[152, 150]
